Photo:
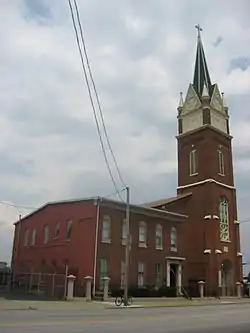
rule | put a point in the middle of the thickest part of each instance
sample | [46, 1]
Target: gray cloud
[142, 57]
[241, 62]
[218, 41]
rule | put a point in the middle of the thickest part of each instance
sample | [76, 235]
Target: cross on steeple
[199, 29]
[201, 73]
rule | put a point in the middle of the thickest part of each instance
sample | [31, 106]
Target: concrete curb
[151, 306]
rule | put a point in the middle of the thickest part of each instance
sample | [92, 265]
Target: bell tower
[205, 169]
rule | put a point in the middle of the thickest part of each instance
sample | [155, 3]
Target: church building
[175, 242]
[206, 191]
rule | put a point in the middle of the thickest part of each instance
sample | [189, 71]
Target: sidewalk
[181, 302]
[81, 304]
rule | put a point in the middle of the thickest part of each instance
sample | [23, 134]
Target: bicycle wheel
[118, 301]
[130, 300]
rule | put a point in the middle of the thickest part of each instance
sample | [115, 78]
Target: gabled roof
[134, 208]
[163, 202]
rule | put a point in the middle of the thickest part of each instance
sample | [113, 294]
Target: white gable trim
[209, 180]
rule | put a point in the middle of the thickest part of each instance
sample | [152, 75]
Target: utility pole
[127, 249]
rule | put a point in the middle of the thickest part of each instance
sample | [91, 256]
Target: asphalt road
[203, 319]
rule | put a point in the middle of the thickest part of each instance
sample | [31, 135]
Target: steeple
[201, 73]
[203, 105]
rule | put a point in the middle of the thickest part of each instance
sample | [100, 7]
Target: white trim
[218, 251]
[207, 217]
[209, 180]
[176, 258]
[239, 254]
[173, 249]
[215, 217]
[236, 222]
[207, 251]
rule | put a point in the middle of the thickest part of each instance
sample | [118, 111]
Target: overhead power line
[106, 196]
[16, 206]
[91, 100]
[96, 94]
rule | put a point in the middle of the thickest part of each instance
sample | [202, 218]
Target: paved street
[205, 319]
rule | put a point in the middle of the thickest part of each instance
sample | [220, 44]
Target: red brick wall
[115, 252]
[203, 234]
[78, 252]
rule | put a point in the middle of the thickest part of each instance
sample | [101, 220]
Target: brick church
[177, 242]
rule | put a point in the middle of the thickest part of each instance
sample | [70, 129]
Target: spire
[181, 102]
[201, 74]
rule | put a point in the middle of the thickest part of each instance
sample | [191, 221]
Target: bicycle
[120, 300]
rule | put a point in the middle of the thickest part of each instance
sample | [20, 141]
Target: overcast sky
[142, 55]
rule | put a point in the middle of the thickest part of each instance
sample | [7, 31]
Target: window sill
[159, 248]
[221, 174]
[193, 174]
[173, 249]
[142, 245]
[106, 241]
[225, 241]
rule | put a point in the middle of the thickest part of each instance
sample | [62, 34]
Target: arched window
[224, 220]
[221, 163]
[106, 229]
[46, 234]
[68, 230]
[33, 238]
[158, 236]
[193, 163]
[173, 238]
[142, 233]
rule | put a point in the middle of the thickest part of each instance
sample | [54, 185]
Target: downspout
[96, 243]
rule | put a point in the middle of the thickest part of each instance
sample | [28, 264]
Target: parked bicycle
[120, 300]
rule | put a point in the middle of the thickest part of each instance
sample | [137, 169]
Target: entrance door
[227, 278]
[173, 275]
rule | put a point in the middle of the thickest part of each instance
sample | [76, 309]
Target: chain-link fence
[41, 284]
[50, 284]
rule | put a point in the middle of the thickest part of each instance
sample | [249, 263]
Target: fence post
[65, 281]
[30, 281]
[53, 284]
[38, 283]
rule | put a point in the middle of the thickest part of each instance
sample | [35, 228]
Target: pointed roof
[201, 73]
[181, 102]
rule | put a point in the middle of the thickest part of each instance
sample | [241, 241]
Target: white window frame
[46, 234]
[57, 230]
[124, 232]
[141, 275]
[106, 225]
[158, 237]
[224, 220]
[193, 163]
[33, 238]
[173, 239]
[142, 234]
[158, 274]
[26, 237]
[69, 230]
[221, 163]
[103, 270]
